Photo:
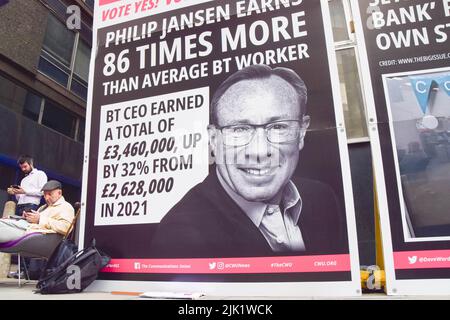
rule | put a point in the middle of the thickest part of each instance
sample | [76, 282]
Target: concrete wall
[22, 25]
[51, 150]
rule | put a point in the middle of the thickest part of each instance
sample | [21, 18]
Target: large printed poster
[408, 58]
[217, 156]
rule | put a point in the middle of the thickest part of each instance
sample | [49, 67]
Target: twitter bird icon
[412, 259]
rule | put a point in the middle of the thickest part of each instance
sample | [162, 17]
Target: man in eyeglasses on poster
[248, 205]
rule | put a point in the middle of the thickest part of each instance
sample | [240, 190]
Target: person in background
[28, 194]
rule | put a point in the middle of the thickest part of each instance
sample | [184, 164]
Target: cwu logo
[424, 85]
[3, 2]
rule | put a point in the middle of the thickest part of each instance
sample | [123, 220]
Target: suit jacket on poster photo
[208, 223]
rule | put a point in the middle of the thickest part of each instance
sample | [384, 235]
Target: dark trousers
[31, 264]
[20, 208]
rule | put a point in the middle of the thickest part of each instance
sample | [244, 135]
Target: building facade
[43, 87]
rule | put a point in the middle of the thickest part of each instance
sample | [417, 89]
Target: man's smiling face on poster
[259, 164]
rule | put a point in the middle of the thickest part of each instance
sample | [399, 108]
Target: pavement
[9, 290]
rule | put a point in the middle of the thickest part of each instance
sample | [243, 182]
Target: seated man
[53, 217]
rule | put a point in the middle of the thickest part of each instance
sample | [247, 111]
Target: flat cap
[51, 185]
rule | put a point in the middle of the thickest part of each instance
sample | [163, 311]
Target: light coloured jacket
[54, 219]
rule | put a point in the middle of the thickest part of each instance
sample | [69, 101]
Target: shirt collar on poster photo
[291, 203]
[277, 222]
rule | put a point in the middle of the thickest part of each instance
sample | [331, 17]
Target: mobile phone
[16, 217]
[15, 186]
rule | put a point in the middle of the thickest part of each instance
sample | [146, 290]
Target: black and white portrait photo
[249, 204]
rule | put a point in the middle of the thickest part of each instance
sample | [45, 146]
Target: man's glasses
[282, 131]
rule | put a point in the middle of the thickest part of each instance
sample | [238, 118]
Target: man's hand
[19, 191]
[32, 216]
[14, 191]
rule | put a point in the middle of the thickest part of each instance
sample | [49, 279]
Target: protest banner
[216, 157]
[405, 60]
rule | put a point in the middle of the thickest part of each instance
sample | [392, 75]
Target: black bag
[75, 273]
[35, 267]
[64, 251]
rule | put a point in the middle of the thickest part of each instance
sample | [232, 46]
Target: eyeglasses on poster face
[281, 131]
